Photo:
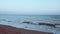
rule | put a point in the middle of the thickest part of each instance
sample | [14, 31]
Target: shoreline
[5, 29]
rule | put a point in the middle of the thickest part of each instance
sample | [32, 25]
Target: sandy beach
[5, 29]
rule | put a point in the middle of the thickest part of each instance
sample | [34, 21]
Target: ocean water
[17, 21]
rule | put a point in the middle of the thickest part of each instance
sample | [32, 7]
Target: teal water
[16, 21]
[41, 18]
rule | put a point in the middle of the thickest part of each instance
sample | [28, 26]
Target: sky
[30, 7]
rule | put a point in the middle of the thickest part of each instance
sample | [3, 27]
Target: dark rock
[41, 23]
[52, 25]
[27, 22]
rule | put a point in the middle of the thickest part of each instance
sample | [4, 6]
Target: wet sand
[5, 29]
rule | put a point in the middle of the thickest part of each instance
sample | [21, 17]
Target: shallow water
[16, 21]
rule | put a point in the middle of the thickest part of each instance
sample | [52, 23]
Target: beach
[29, 24]
[5, 29]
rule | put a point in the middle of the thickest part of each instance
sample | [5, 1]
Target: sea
[17, 21]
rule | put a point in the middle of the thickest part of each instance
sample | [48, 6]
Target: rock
[27, 22]
[47, 24]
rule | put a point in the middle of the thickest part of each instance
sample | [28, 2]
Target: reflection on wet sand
[5, 29]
